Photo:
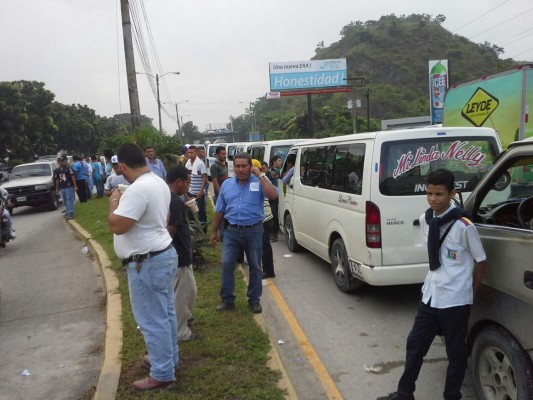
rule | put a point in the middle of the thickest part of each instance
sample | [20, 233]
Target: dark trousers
[429, 322]
[82, 190]
[275, 221]
[267, 257]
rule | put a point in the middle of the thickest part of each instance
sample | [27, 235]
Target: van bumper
[389, 275]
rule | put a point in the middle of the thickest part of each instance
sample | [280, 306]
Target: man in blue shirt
[155, 164]
[81, 176]
[240, 203]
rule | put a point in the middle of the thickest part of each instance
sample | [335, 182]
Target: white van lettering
[346, 200]
[420, 187]
[394, 221]
[472, 155]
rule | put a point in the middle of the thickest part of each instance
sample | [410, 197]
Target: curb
[107, 385]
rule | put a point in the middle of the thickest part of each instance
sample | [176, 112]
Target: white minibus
[264, 151]
[234, 148]
[355, 200]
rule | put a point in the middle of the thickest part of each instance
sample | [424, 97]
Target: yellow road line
[325, 379]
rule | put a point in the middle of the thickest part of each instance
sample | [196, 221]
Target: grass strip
[229, 362]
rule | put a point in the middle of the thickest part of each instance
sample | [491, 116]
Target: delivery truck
[499, 101]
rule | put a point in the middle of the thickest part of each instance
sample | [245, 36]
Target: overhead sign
[480, 106]
[307, 75]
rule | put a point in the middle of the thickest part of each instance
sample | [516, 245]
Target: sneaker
[225, 306]
[68, 217]
[192, 337]
[396, 396]
[265, 275]
[12, 234]
[256, 308]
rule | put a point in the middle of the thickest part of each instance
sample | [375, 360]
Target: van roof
[389, 135]
[280, 141]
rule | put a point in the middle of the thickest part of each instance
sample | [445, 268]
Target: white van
[211, 155]
[235, 148]
[263, 151]
[355, 200]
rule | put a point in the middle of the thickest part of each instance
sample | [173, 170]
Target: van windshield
[405, 164]
[280, 150]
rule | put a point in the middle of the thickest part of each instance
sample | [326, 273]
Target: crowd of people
[150, 217]
[150, 210]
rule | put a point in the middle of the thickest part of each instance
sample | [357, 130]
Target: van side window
[338, 168]
[348, 169]
[258, 153]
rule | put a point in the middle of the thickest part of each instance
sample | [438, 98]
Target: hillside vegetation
[392, 55]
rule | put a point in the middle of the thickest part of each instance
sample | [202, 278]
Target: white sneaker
[13, 235]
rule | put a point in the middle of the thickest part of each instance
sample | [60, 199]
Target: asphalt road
[52, 320]
[359, 338]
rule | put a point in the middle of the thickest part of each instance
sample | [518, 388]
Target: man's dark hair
[219, 149]
[291, 159]
[177, 172]
[192, 147]
[131, 155]
[148, 147]
[76, 157]
[62, 158]
[273, 159]
[264, 164]
[246, 156]
[93, 157]
[442, 177]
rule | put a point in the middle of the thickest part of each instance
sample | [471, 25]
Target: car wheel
[339, 267]
[292, 244]
[501, 369]
[53, 202]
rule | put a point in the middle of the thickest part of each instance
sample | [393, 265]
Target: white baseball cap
[114, 160]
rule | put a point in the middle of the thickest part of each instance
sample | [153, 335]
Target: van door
[401, 167]
[286, 192]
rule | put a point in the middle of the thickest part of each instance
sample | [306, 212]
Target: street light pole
[158, 98]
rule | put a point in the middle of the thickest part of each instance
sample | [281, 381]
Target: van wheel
[53, 202]
[500, 367]
[339, 267]
[292, 244]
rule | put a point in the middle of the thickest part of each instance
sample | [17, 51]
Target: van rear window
[405, 164]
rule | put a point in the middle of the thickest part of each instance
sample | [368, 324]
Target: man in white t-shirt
[457, 264]
[198, 183]
[138, 219]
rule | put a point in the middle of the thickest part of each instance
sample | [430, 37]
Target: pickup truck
[32, 184]
[501, 324]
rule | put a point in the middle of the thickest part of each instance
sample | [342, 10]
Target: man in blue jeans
[65, 182]
[240, 202]
[138, 219]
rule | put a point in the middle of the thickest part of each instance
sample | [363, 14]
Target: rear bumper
[390, 275]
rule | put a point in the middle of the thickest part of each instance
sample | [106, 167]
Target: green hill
[392, 55]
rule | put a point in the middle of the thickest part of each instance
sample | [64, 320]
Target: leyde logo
[480, 106]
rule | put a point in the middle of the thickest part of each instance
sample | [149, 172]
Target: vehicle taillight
[373, 226]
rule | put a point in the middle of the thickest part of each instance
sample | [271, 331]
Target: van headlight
[40, 187]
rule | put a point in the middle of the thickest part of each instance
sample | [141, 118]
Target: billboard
[438, 84]
[307, 75]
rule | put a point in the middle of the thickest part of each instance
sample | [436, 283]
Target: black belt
[138, 258]
[245, 226]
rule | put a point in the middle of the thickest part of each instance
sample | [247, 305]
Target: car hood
[29, 181]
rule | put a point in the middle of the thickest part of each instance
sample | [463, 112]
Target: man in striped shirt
[198, 183]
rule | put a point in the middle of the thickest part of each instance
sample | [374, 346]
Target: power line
[512, 37]
[501, 23]
[531, 48]
[481, 16]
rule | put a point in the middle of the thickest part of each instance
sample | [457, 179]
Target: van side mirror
[502, 182]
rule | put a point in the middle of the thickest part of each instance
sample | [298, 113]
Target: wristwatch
[262, 175]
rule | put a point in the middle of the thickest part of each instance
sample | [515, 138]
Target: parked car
[500, 336]
[32, 184]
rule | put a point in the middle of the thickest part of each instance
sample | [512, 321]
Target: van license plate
[22, 198]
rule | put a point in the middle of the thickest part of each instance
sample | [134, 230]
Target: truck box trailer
[499, 101]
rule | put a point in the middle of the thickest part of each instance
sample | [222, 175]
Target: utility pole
[158, 102]
[368, 110]
[178, 119]
[135, 109]
[356, 82]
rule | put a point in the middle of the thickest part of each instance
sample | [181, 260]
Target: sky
[221, 48]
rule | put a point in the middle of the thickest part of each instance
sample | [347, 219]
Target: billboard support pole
[309, 116]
